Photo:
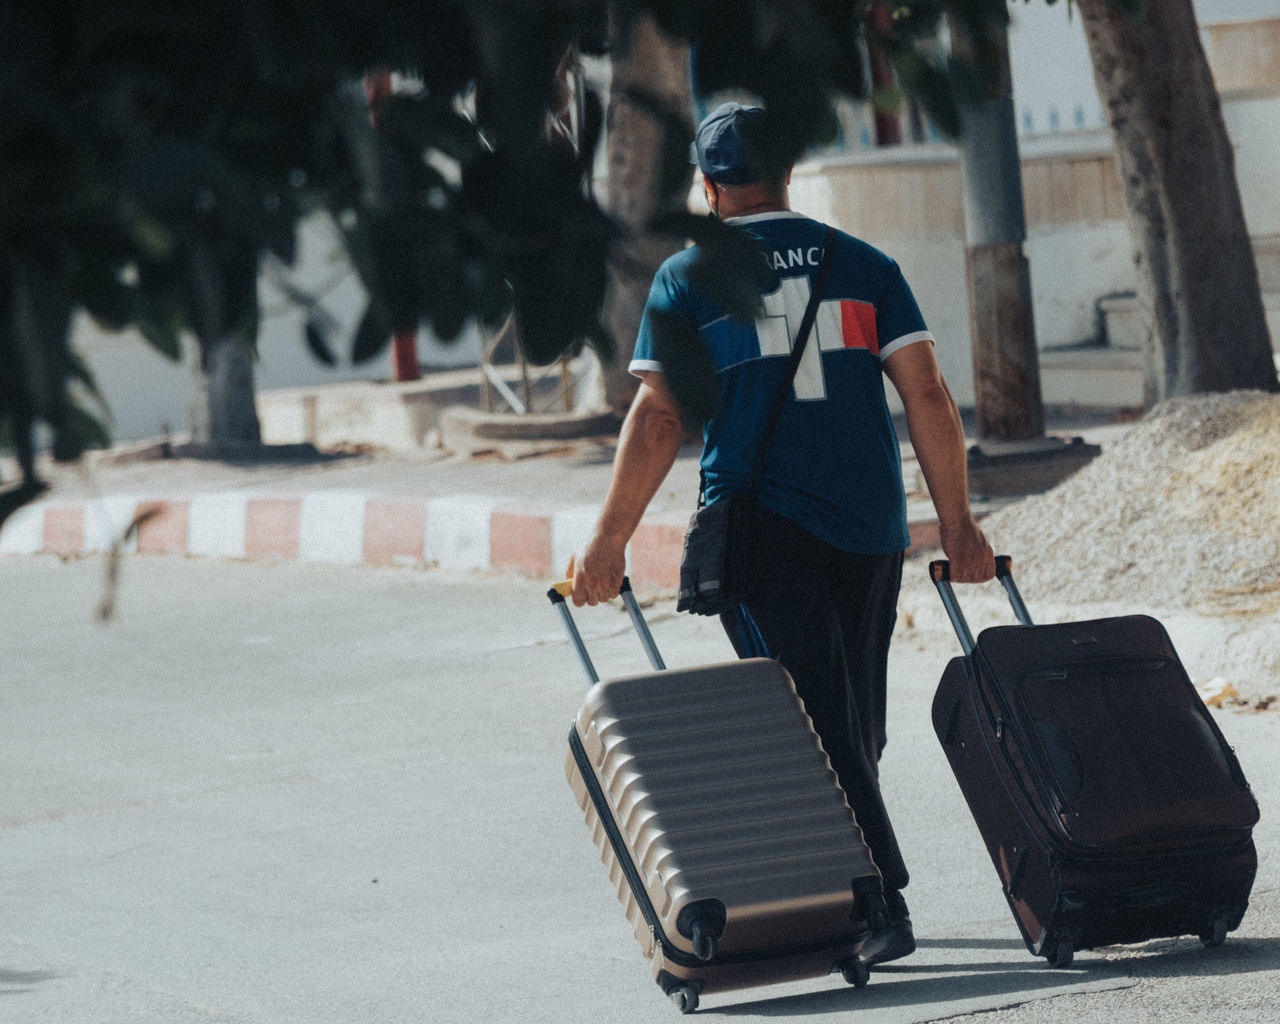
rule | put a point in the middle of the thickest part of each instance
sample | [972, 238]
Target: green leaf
[729, 266]
[686, 364]
[318, 342]
[450, 313]
[240, 298]
[79, 372]
[280, 235]
[152, 236]
[601, 339]
[41, 307]
[373, 335]
[164, 336]
[78, 431]
[936, 89]
[493, 296]
[98, 287]
[13, 498]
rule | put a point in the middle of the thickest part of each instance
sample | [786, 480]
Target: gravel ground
[1183, 510]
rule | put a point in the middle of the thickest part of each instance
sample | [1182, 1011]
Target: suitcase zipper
[1097, 666]
[995, 720]
[617, 843]
[983, 710]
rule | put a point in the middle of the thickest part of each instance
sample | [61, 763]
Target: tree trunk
[649, 68]
[1197, 276]
[1009, 404]
[223, 414]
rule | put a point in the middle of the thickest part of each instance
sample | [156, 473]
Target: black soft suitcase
[726, 835]
[1112, 807]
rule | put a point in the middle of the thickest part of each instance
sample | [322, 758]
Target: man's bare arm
[937, 435]
[648, 443]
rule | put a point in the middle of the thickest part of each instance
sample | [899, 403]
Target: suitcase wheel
[1215, 934]
[855, 971]
[1061, 954]
[704, 942]
[702, 923]
[685, 997]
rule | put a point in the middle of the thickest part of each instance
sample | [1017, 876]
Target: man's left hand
[597, 571]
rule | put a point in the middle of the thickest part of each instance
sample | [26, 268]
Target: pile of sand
[1182, 512]
[1179, 518]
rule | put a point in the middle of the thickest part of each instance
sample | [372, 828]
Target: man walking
[826, 551]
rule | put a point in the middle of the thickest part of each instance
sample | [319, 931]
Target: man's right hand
[967, 549]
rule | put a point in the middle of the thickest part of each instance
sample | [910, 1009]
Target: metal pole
[940, 573]
[888, 125]
[642, 627]
[558, 595]
[404, 344]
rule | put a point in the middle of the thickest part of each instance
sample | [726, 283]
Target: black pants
[827, 615]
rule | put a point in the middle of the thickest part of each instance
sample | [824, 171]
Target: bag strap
[793, 365]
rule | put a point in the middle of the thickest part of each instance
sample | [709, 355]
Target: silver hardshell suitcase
[724, 830]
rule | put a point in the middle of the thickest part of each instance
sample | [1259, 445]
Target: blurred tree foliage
[151, 153]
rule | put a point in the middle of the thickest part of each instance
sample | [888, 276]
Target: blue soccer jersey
[834, 465]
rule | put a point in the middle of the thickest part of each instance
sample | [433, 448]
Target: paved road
[279, 793]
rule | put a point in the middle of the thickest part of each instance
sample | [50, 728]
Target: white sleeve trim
[907, 339]
[639, 367]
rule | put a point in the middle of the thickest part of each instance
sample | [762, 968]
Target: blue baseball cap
[723, 146]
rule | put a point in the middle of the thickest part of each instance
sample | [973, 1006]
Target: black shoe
[894, 941]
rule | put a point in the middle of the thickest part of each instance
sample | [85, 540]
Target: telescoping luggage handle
[940, 573]
[564, 589]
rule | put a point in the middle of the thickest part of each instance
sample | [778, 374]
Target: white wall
[1253, 122]
[1220, 12]
[149, 395]
[1071, 269]
[1053, 78]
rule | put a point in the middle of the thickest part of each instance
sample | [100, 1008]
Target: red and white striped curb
[457, 531]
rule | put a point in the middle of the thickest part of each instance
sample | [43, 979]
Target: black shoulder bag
[713, 566]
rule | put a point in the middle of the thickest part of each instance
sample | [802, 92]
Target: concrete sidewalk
[514, 506]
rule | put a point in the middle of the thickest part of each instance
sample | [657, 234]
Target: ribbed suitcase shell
[1110, 804]
[709, 784]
